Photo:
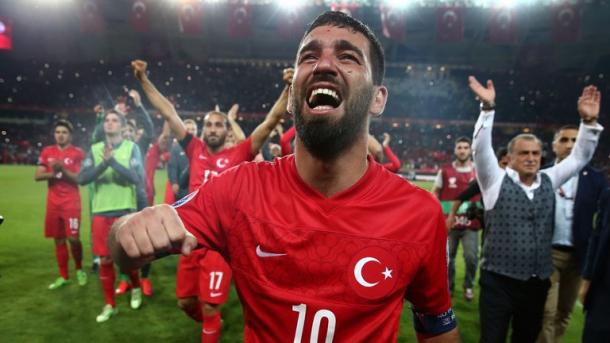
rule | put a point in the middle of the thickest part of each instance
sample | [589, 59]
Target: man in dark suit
[595, 289]
[575, 204]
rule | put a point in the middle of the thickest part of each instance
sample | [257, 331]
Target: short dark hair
[121, 117]
[342, 20]
[463, 139]
[565, 127]
[65, 123]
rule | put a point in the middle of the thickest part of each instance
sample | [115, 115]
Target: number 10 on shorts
[301, 309]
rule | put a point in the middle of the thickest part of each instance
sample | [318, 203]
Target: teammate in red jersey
[59, 165]
[204, 279]
[313, 259]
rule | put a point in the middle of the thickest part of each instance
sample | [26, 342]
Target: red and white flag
[566, 23]
[91, 17]
[450, 24]
[139, 15]
[190, 17]
[240, 20]
[394, 23]
[6, 34]
[502, 27]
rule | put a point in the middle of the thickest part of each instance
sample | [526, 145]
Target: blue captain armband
[433, 325]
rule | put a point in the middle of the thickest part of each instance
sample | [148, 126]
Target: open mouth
[323, 98]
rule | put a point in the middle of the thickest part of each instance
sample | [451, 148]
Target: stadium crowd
[115, 124]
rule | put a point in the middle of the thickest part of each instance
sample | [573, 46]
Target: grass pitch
[31, 313]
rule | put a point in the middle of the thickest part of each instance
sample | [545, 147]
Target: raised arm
[286, 140]
[586, 141]
[374, 148]
[143, 117]
[489, 174]
[238, 133]
[159, 102]
[263, 130]
[393, 163]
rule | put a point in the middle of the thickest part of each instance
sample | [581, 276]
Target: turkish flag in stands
[190, 17]
[450, 24]
[566, 23]
[91, 17]
[240, 20]
[6, 34]
[394, 23]
[138, 15]
[502, 27]
[291, 24]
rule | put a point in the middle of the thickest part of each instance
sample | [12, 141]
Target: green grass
[31, 313]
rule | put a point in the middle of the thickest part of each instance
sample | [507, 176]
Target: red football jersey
[204, 165]
[63, 193]
[311, 268]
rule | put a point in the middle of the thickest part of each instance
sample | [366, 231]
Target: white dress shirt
[490, 175]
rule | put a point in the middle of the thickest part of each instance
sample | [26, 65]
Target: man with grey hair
[519, 203]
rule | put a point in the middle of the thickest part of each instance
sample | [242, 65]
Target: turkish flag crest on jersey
[373, 273]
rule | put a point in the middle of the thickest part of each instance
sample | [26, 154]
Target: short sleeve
[43, 158]
[190, 144]
[208, 212]
[244, 150]
[429, 292]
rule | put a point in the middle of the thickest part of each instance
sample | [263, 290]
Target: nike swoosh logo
[261, 253]
[214, 294]
[208, 332]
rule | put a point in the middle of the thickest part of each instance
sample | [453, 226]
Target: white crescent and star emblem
[2, 27]
[373, 273]
[222, 162]
[358, 271]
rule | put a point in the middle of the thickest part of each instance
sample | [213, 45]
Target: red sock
[135, 278]
[61, 253]
[77, 254]
[107, 277]
[211, 326]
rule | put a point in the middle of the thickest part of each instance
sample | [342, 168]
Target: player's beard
[215, 144]
[326, 138]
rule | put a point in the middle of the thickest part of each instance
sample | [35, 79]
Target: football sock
[77, 254]
[107, 277]
[61, 253]
[211, 327]
[135, 278]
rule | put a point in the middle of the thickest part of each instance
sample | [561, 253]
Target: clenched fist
[139, 69]
[138, 238]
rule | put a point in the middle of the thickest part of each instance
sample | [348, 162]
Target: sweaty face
[525, 157]
[214, 131]
[462, 151]
[332, 90]
[62, 135]
[564, 142]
